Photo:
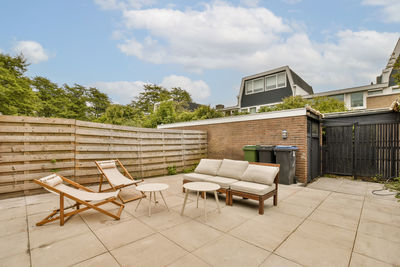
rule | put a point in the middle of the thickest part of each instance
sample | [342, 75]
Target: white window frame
[363, 98]
[276, 81]
[375, 92]
[251, 82]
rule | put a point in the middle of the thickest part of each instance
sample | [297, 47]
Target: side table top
[151, 187]
[201, 186]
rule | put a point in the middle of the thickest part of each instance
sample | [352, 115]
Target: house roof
[350, 90]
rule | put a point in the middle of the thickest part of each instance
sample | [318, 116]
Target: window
[338, 97]
[244, 110]
[253, 110]
[396, 90]
[254, 86]
[275, 81]
[376, 92]
[357, 99]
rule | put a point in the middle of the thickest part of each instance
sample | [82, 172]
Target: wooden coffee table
[201, 187]
[152, 188]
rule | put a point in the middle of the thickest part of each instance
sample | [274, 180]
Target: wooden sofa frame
[262, 198]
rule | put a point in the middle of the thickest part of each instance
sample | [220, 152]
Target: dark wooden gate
[365, 150]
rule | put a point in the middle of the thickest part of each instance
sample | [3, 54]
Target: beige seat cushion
[208, 166]
[252, 188]
[224, 182]
[232, 168]
[260, 174]
[196, 177]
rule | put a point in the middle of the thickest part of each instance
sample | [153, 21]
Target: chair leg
[261, 206]
[61, 209]
[275, 199]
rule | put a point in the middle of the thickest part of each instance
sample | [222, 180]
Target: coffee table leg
[164, 200]
[205, 212]
[155, 199]
[197, 203]
[184, 202]
[217, 200]
[150, 204]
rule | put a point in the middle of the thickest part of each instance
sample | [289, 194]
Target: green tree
[165, 113]
[181, 97]
[16, 95]
[206, 112]
[97, 103]
[76, 105]
[122, 115]
[327, 104]
[53, 98]
[151, 95]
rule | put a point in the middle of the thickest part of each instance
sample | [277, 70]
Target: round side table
[152, 188]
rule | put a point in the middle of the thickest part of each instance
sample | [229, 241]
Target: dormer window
[269, 82]
[255, 86]
[275, 81]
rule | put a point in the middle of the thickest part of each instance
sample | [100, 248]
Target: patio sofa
[254, 180]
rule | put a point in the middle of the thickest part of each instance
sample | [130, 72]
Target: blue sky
[204, 47]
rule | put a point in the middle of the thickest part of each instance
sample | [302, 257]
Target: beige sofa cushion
[260, 174]
[224, 182]
[232, 168]
[208, 166]
[196, 177]
[252, 188]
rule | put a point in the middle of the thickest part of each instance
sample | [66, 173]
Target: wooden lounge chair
[117, 180]
[80, 194]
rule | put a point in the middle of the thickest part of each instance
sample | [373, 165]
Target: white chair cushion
[208, 166]
[252, 188]
[232, 168]
[224, 182]
[260, 174]
[196, 177]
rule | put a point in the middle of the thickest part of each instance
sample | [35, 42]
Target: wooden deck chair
[80, 194]
[117, 180]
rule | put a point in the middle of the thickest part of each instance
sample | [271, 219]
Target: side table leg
[137, 206]
[184, 202]
[217, 200]
[197, 202]
[150, 204]
[164, 200]
[205, 211]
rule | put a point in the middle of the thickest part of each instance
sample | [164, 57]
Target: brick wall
[382, 101]
[226, 140]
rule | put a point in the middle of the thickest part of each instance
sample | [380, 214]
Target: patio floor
[332, 222]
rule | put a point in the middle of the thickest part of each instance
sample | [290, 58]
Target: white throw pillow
[208, 166]
[260, 174]
[232, 168]
[52, 180]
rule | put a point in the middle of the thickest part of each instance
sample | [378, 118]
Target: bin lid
[286, 148]
[250, 147]
[266, 148]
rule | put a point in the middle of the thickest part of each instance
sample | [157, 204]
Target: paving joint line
[27, 230]
[355, 237]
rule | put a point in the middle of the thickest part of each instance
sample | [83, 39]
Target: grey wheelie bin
[266, 154]
[286, 157]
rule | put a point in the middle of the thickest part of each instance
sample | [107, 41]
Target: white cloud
[121, 92]
[32, 51]
[390, 9]
[251, 40]
[199, 90]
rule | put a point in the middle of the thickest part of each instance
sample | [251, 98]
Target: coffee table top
[151, 187]
[201, 186]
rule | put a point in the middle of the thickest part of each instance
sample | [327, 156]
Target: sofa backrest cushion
[232, 168]
[260, 174]
[208, 166]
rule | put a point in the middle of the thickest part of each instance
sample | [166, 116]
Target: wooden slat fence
[34, 147]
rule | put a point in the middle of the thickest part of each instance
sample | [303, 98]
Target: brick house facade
[227, 136]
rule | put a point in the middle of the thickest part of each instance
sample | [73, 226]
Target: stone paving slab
[331, 222]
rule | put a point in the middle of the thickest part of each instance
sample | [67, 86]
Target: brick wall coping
[248, 117]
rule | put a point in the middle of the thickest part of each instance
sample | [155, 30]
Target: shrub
[171, 170]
